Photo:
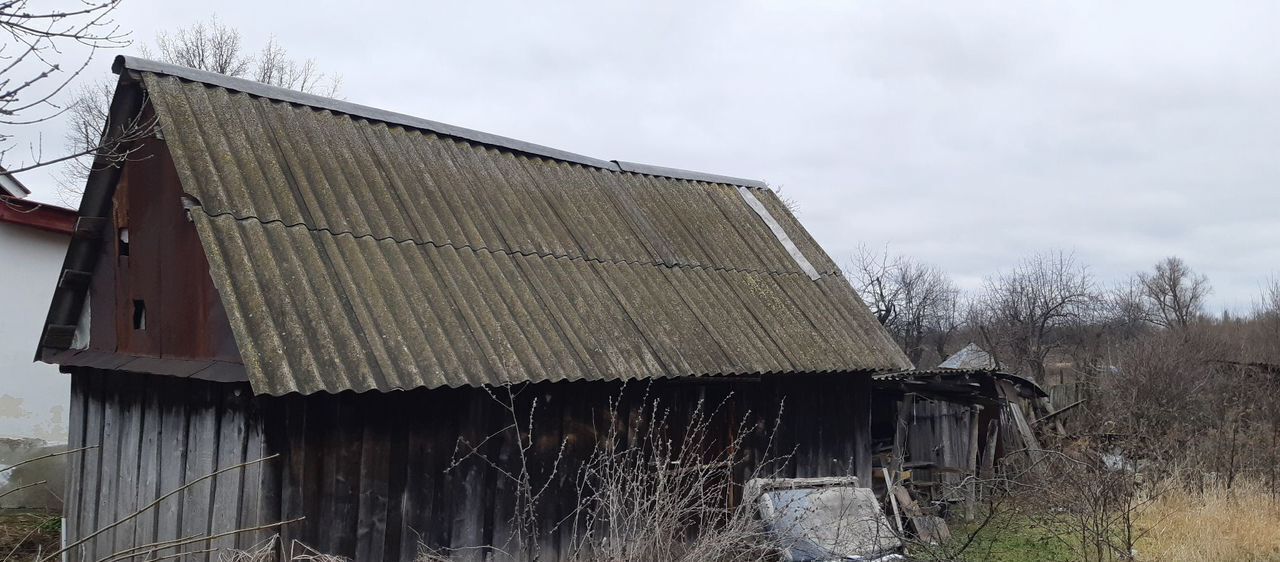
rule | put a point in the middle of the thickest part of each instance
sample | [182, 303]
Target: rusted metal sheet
[151, 295]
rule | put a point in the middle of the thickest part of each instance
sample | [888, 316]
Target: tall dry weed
[647, 491]
[1218, 524]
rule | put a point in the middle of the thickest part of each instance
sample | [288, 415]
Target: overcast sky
[965, 134]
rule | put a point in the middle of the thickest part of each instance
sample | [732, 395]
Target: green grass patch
[1009, 538]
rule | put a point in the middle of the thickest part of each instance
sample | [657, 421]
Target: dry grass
[1236, 525]
[27, 536]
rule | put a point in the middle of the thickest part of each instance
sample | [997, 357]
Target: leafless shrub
[645, 491]
[263, 551]
[641, 501]
[1089, 503]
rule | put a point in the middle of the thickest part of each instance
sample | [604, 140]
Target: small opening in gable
[139, 315]
[124, 241]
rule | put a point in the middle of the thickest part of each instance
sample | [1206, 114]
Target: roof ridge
[123, 62]
[509, 252]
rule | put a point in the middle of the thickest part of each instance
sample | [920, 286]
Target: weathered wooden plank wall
[941, 433]
[152, 435]
[375, 474]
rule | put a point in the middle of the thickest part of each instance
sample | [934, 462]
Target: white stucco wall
[33, 396]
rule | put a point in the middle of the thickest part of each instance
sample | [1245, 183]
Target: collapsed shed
[274, 273]
[938, 427]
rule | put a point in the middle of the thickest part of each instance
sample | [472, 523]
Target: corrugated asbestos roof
[361, 250]
[970, 358]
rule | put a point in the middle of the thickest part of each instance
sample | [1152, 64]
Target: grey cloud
[966, 134]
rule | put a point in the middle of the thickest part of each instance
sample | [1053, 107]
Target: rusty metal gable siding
[354, 254]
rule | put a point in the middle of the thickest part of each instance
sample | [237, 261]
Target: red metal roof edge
[41, 216]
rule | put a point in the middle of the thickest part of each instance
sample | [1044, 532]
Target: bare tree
[914, 301]
[1033, 309]
[947, 321]
[1271, 296]
[1173, 295]
[207, 46]
[211, 46]
[31, 74]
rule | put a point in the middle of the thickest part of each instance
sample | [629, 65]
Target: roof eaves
[41, 216]
[259, 89]
[11, 185]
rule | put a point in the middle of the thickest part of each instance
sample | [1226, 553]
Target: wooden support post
[889, 486]
[901, 433]
[993, 444]
[971, 488]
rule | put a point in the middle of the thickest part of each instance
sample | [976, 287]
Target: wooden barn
[274, 273]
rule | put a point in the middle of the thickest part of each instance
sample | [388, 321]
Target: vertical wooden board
[785, 437]
[149, 462]
[131, 402]
[323, 444]
[755, 439]
[420, 477]
[286, 433]
[849, 409]
[728, 419]
[992, 446]
[226, 509]
[319, 465]
[95, 420]
[468, 491]
[174, 421]
[809, 432]
[399, 414]
[547, 439]
[75, 491]
[347, 437]
[829, 434]
[202, 456]
[578, 444]
[862, 435]
[446, 407]
[374, 465]
[139, 273]
[255, 495]
[109, 482]
[942, 417]
[500, 491]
